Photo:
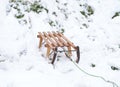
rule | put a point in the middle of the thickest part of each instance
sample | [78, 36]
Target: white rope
[108, 81]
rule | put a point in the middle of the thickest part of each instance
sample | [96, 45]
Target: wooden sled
[53, 40]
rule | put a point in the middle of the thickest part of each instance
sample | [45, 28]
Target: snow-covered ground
[22, 64]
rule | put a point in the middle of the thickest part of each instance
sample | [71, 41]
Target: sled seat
[53, 40]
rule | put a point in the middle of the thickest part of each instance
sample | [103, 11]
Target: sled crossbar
[53, 40]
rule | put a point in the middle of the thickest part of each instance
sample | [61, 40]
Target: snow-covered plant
[118, 45]
[92, 65]
[116, 14]
[21, 8]
[114, 68]
[62, 30]
[51, 23]
[37, 7]
[87, 10]
[56, 25]
[19, 15]
[85, 25]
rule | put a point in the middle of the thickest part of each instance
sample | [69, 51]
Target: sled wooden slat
[56, 39]
[53, 40]
[50, 39]
[69, 42]
[43, 37]
[60, 39]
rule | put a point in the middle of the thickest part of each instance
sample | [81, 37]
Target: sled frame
[53, 40]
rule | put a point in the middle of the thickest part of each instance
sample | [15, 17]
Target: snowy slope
[22, 64]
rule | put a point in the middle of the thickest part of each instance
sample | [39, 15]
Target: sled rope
[107, 81]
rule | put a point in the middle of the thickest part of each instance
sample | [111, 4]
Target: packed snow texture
[23, 64]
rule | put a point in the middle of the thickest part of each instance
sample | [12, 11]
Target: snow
[22, 64]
